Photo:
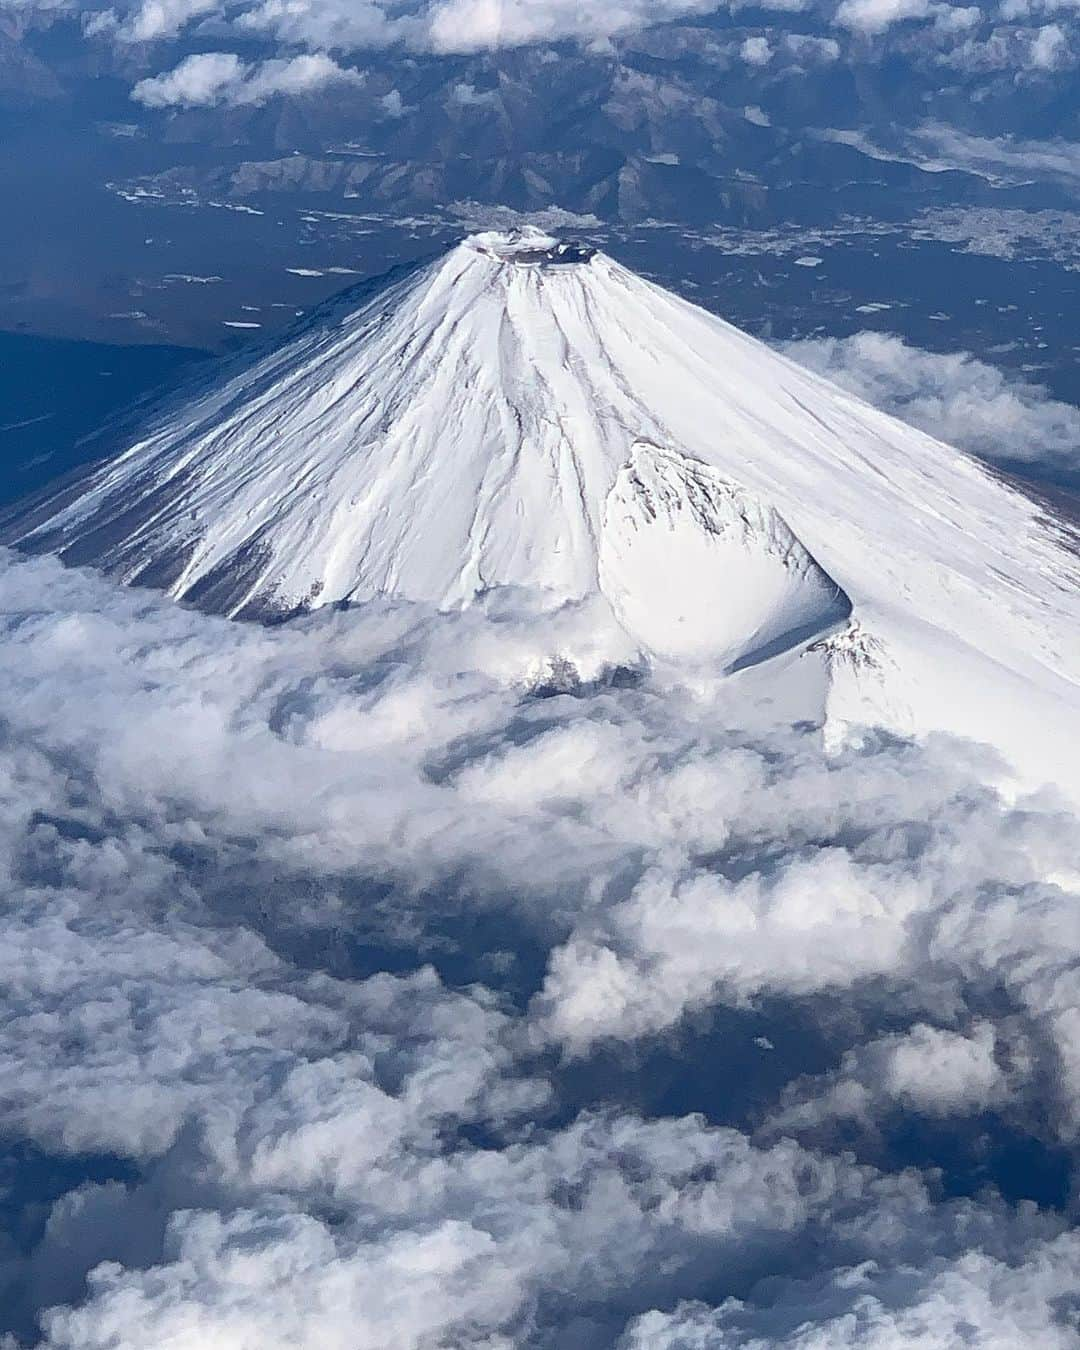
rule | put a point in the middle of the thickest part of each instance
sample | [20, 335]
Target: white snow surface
[508, 417]
[697, 570]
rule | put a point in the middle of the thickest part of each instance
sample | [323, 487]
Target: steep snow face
[697, 569]
[480, 422]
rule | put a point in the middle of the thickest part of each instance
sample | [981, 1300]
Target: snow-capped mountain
[528, 413]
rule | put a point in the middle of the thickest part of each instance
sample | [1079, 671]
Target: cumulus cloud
[805, 48]
[755, 51]
[312, 930]
[1023, 9]
[926, 1070]
[874, 16]
[976, 1301]
[966, 37]
[214, 78]
[477, 25]
[1049, 47]
[151, 21]
[448, 26]
[959, 35]
[954, 396]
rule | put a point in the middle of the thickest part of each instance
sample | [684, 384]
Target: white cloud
[958, 35]
[755, 51]
[925, 1070]
[1049, 47]
[953, 19]
[875, 16]
[158, 19]
[954, 396]
[214, 78]
[935, 1071]
[432, 25]
[976, 1301]
[477, 25]
[806, 48]
[280, 1281]
[1012, 10]
[216, 840]
[198, 81]
[150, 21]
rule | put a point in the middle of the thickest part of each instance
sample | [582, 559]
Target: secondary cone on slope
[479, 422]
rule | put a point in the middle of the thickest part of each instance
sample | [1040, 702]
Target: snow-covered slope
[697, 569]
[524, 413]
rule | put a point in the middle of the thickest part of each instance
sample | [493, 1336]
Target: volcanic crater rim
[531, 247]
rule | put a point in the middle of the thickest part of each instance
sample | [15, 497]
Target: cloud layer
[213, 78]
[954, 396]
[443, 26]
[1036, 40]
[345, 965]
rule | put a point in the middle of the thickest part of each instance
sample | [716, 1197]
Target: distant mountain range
[673, 123]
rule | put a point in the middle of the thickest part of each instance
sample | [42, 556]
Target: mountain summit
[526, 412]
